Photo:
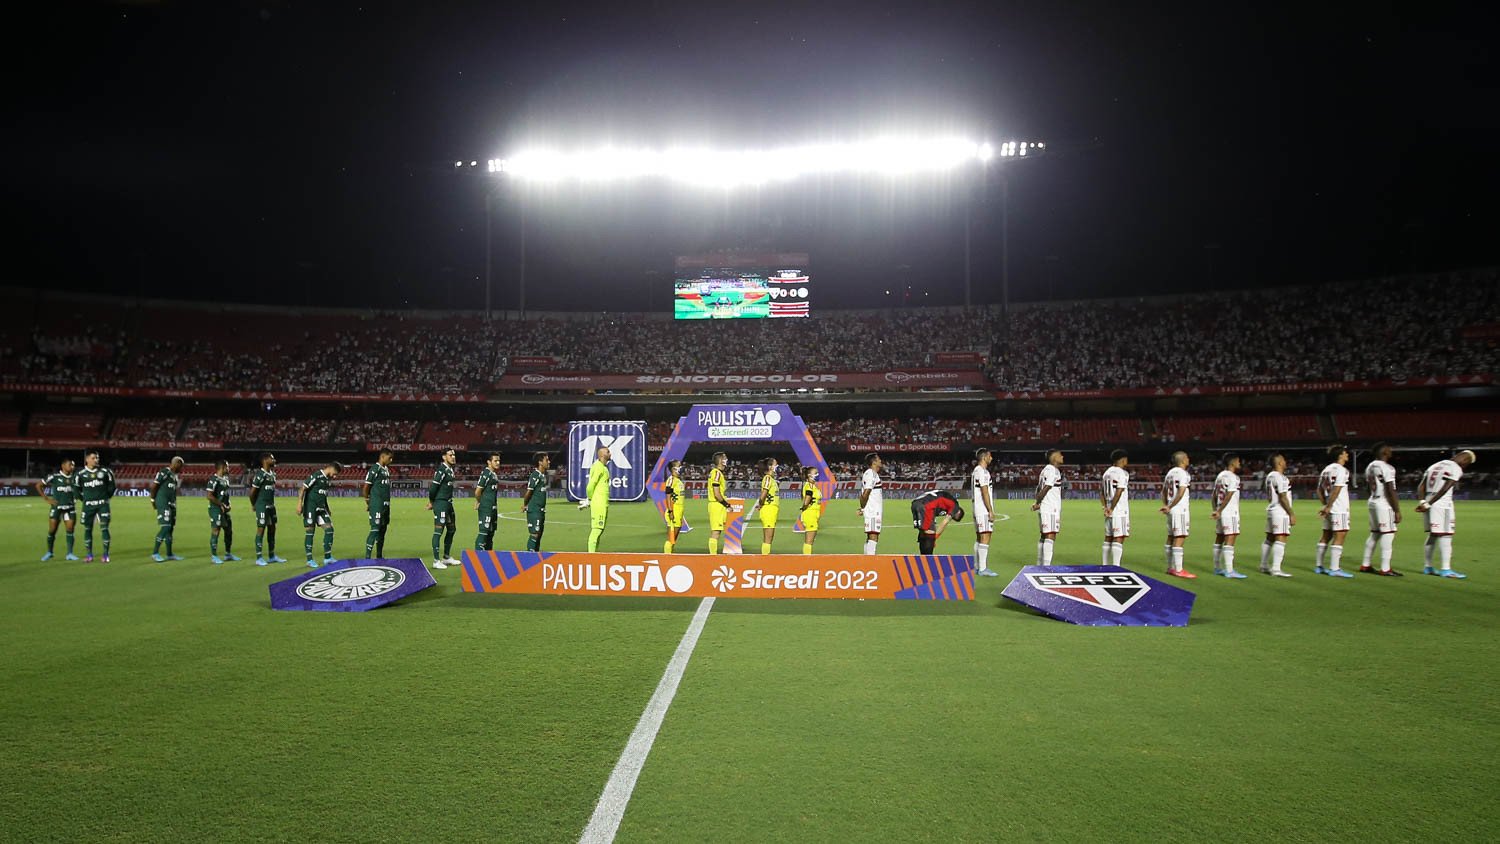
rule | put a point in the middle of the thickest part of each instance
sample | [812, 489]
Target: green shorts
[489, 520]
[442, 513]
[536, 520]
[218, 518]
[317, 517]
[98, 511]
[60, 513]
[265, 515]
[167, 516]
[380, 516]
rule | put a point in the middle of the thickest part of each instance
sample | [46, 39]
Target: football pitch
[167, 702]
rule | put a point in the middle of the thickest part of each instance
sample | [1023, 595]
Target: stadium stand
[1475, 424]
[1275, 335]
[1243, 428]
[262, 431]
[64, 425]
[146, 428]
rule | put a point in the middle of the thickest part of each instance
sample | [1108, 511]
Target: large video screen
[742, 294]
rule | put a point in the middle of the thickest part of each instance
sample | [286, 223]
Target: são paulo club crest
[1101, 596]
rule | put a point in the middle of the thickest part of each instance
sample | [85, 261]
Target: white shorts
[983, 523]
[872, 521]
[1336, 521]
[1178, 523]
[1278, 523]
[1050, 521]
[1439, 520]
[1381, 518]
[1118, 524]
[1228, 523]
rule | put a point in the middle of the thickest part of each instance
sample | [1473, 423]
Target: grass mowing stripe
[616, 794]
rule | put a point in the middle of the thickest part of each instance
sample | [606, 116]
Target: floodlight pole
[968, 257]
[1004, 251]
[489, 252]
[488, 262]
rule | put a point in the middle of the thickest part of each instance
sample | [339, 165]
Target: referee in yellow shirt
[770, 502]
[812, 507]
[718, 504]
[675, 499]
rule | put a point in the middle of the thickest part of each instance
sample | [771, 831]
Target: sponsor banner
[908, 379]
[254, 395]
[1249, 389]
[626, 442]
[351, 585]
[438, 447]
[525, 363]
[1100, 596]
[894, 447]
[940, 578]
[958, 359]
[68, 442]
[734, 527]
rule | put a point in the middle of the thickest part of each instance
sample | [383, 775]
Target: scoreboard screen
[726, 294]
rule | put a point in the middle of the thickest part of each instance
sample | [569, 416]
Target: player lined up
[93, 486]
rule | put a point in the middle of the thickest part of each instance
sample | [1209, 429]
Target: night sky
[302, 153]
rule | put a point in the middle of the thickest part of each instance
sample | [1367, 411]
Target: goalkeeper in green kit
[598, 497]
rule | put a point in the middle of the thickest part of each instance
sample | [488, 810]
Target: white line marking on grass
[616, 795]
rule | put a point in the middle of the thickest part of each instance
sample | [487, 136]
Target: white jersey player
[1226, 516]
[871, 501]
[1114, 494]
[1436, 492]
[1048, 505]
[1333, 492]
[1385, 511]
[1175, 505]
[984, 513]
[1279, 517]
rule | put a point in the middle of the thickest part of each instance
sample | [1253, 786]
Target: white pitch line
[616, 795]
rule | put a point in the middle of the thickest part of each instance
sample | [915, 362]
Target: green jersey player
[96, 486]
[377, 495]
[440, 502]
[535, 500]
[218, 513]
[485, 493]
[164, 501]
[312, 506]
[263, 501]
[60, 489]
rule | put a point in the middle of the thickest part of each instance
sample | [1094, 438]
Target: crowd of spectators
[146, 428]
[358, 431]
[267, 431]
[1372, 329]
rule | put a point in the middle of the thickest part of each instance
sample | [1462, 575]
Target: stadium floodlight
[716, 168]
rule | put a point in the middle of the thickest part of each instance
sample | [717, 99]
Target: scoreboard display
[742, 294]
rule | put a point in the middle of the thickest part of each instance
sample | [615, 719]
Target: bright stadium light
[706, 167]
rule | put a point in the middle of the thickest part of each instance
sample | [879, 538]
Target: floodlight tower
[1009, 153]
[723, 170]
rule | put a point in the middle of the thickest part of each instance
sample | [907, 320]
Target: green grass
[168, 703]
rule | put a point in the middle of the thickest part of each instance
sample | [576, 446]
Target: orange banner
[940, 578]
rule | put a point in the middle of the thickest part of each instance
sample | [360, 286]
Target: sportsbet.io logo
[723, 579]
[1113, 592]
[351, 584]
